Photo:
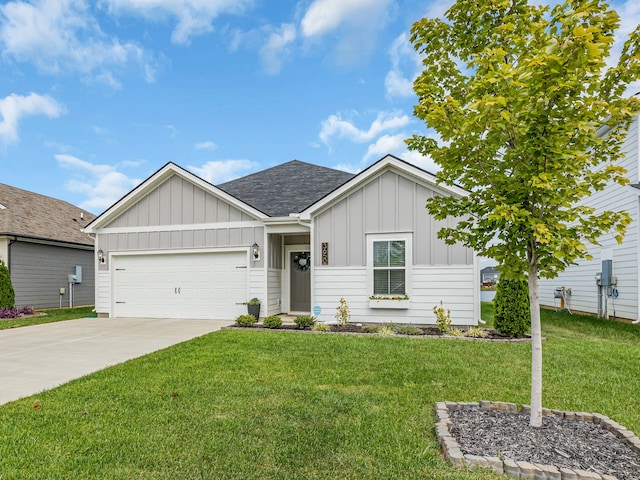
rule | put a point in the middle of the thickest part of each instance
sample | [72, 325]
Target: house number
[176, 290]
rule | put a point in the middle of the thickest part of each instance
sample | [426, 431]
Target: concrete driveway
[40, 357]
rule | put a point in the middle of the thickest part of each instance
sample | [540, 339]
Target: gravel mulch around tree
[560, 442]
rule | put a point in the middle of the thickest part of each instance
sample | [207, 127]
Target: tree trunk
[536, 349]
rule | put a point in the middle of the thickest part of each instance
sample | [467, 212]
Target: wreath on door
[302, 261]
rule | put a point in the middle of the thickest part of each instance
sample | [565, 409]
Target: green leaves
[518, 94]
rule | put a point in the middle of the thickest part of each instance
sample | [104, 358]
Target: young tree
[517, 94]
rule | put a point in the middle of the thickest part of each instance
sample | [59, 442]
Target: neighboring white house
[620, 300]
[296, 236]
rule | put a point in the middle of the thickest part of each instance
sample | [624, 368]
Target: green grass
[52, 315]
[262, 405]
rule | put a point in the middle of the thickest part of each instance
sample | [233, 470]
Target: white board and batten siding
[392, 204]
[453, 285]
[177, 233]
[580, 278]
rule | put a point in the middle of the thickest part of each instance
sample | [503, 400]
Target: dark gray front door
[300, 287]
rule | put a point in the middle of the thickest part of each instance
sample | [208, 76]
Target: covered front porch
[288, 268]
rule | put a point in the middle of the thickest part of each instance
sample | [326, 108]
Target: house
[42, 244]
[297, 236]
[608, 284]
[489, 275]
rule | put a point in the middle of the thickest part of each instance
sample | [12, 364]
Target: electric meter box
[607, 270]
[76, 277]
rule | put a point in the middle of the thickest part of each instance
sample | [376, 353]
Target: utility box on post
[607, 272]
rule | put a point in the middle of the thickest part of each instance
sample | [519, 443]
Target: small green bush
[321, 327]
[245, 321]
[273, 321]
[455, 332]
[370, 329]
[408, 330]
[254, 301]
[343, 314]
[443, 318]
[304, 321]
[7, 294]
[476, 332]
[512, 315]
[386, 330]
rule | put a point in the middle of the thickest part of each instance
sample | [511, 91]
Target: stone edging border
[453, 453]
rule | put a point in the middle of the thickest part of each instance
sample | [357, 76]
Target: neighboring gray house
[41, 243]
[297, 236]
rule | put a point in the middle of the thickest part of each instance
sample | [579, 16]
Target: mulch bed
[572, 444]
[427, 331]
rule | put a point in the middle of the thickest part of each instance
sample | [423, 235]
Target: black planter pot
[254, 310]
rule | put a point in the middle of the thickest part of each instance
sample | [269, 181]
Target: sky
[95, 96]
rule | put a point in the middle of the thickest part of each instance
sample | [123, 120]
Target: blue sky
[96, 96]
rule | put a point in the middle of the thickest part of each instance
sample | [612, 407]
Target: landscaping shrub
[273, 321]
[7, 294]
[512, 315]
[370, 329]
[15, 312]
[476, 332]
[246, 321]
[443, 318]
[342, 312]
[386, 330]
[304, 321]
[321, 327]
[408, 330]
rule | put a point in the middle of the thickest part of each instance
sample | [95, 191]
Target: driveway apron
[40, 357]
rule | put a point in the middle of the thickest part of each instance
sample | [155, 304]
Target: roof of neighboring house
[490, 269]
[287, 188]
[28, 214]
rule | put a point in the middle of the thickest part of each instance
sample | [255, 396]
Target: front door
[300, 286]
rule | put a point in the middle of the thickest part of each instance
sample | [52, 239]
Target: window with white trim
[389, 261]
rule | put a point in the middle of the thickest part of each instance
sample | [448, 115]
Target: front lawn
[262, 404]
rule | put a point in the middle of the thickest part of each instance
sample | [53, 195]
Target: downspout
[11, 242]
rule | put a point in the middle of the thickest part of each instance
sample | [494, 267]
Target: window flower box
[398, 302]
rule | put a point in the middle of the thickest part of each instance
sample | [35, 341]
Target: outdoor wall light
[101, 256]
[255, 249]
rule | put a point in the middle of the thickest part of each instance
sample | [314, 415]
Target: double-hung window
[389, 261]
[389, 267]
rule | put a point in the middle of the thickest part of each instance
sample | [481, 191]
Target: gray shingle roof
[287, 188]
[29, 214]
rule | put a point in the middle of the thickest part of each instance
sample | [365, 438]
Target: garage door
[185, 285]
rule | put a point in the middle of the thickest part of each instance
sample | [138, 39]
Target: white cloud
[14, 107]
[415, 158]
[102, 184]
[629, 12]
[347, 167]
[323, 16]
[276, 47]
[336, 127]
[353, 25]
[207, 145]
[405, 67]
[221, 171]
[61, 35]
[194, 17]
[392, 144]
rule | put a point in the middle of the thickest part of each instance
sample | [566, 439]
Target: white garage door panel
[186, 285]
